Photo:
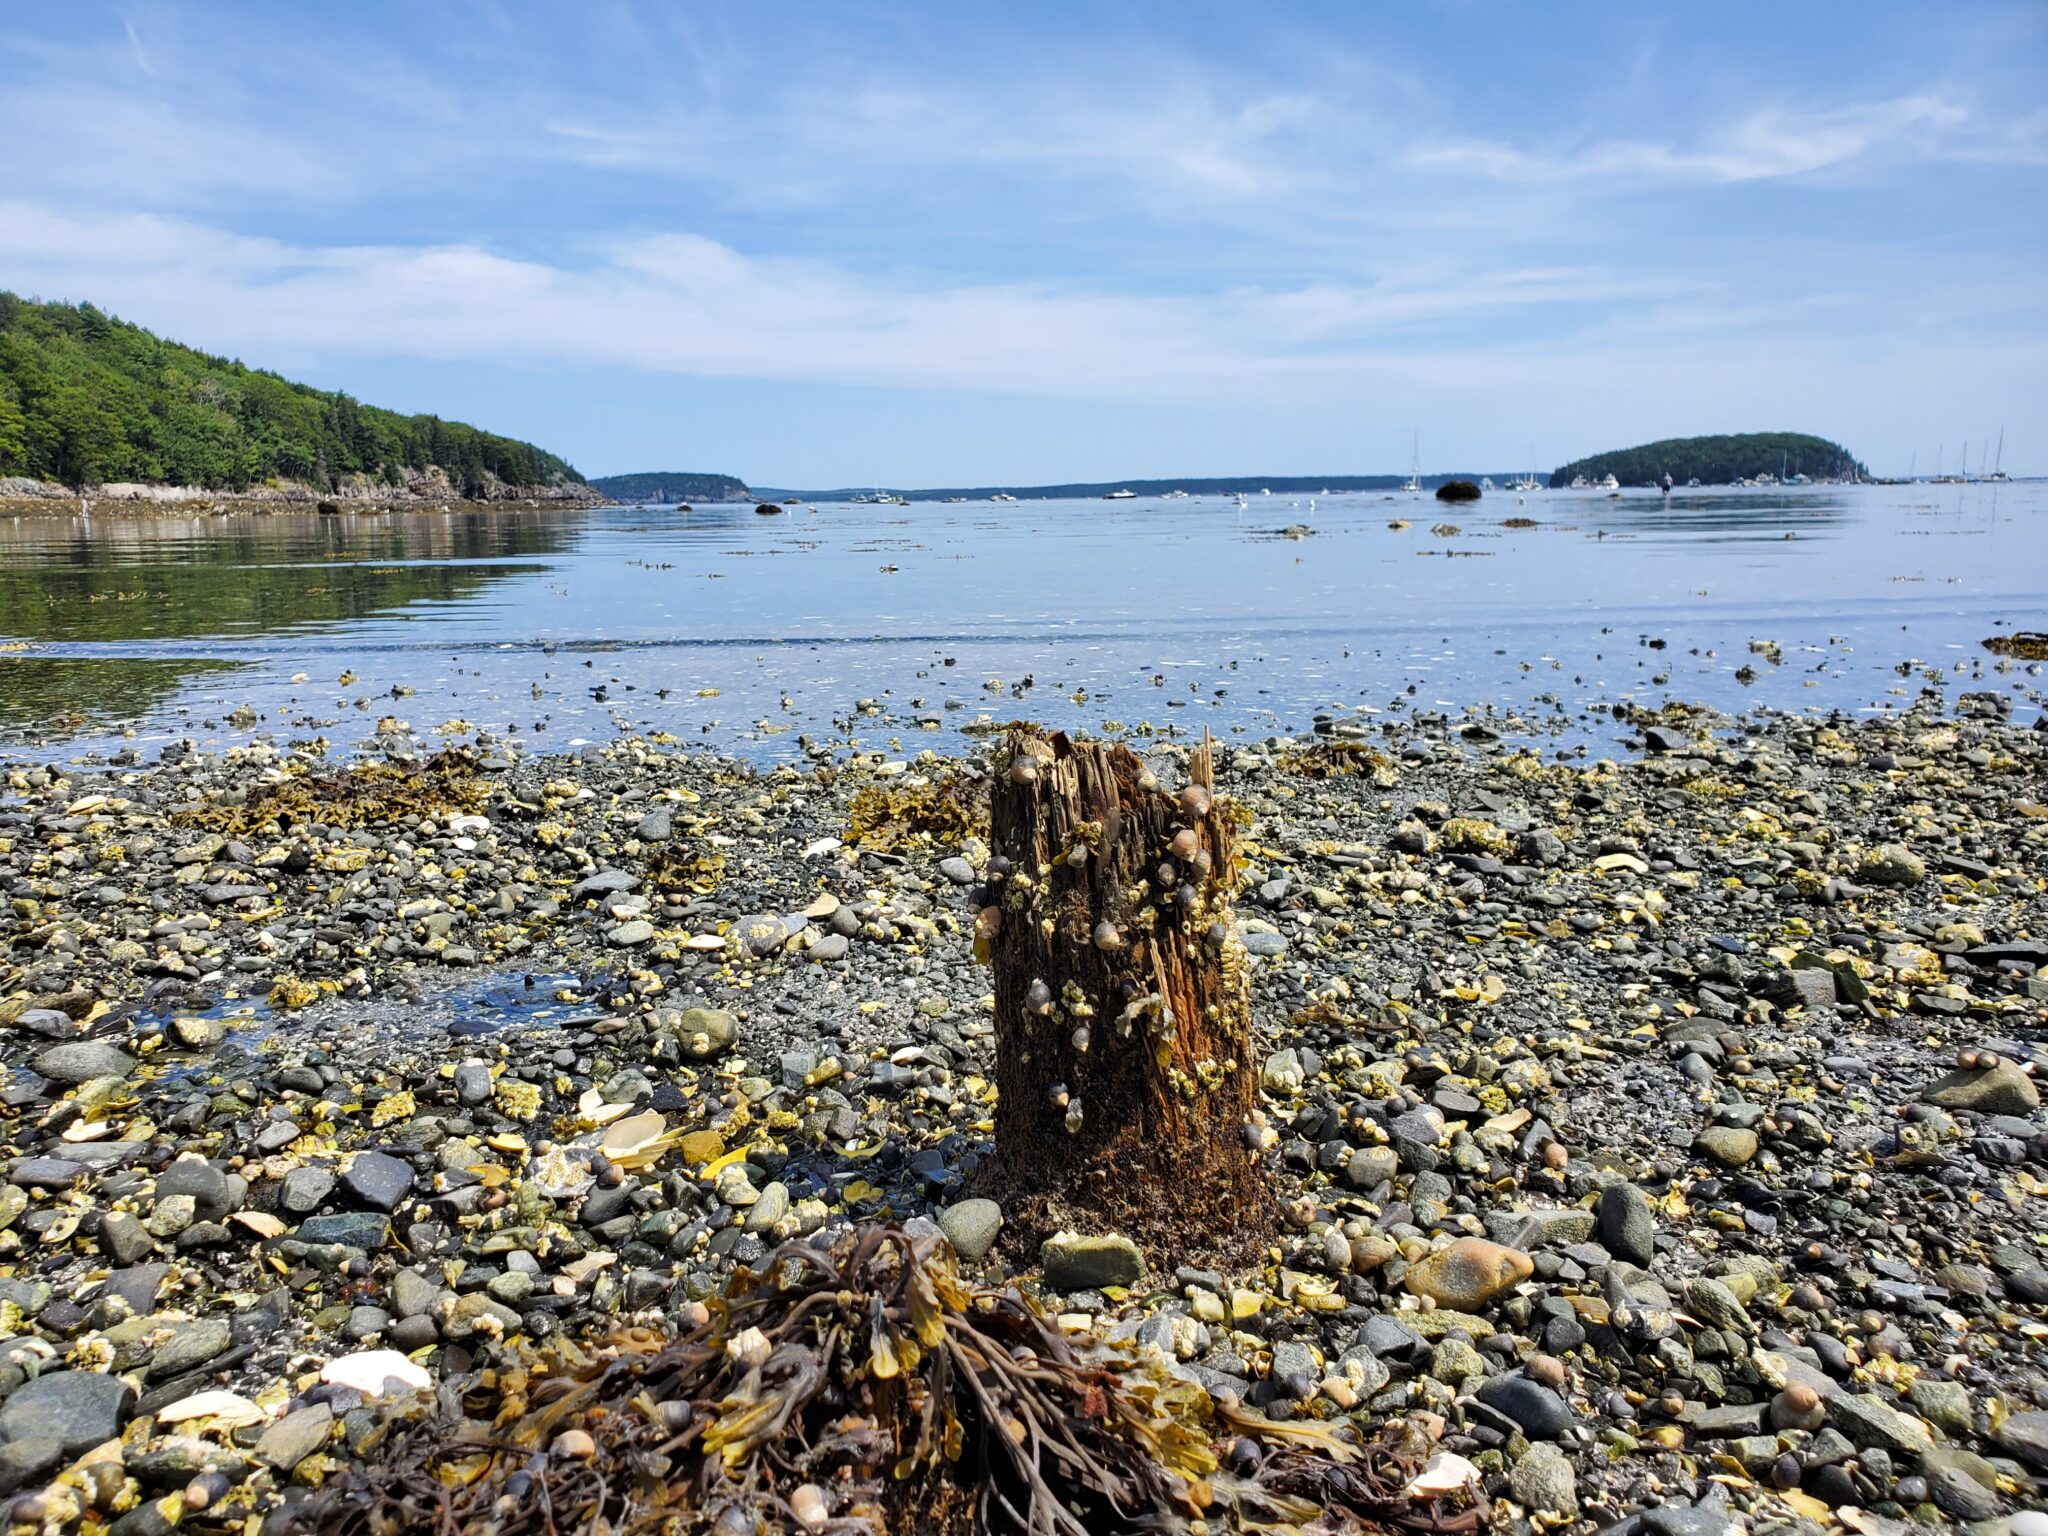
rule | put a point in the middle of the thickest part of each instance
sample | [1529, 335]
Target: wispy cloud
[685, 303]
[1763, 146]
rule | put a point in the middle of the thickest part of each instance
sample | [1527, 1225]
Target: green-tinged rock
[1869, 1421]
[1729, 1145]
[971, 1227]
[367, 1230]
[1076, 1263]
[295, 1437]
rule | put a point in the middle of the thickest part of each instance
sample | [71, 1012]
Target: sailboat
[1998, 463]
[1414, 485]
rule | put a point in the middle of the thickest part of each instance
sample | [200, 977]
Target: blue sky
[928, 243]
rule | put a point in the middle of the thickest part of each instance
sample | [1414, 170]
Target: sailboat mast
[1998, 464]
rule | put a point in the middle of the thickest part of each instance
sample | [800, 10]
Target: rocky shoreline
[1658, 1139]
[20, 497]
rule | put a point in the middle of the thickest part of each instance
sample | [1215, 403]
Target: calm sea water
[752, 632]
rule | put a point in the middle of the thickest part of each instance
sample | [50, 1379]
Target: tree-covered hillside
[86, 399]
[672, 485]
[1718, 460]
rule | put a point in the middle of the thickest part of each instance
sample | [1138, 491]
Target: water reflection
[754, 631]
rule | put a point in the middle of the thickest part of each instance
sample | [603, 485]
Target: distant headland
[92, 404]
[669, 487]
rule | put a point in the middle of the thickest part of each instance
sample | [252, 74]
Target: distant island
[89, 402]
[1726, 460]
[671, 486]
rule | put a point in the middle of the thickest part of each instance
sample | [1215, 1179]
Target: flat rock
[80, 1061]
[78, 1409]
[378, 1180]
[1869, 1421]
[295, 1436]
[206, 1184]
[1076, 1263]
[191, 1345]
[2000, 1090]
[367, 1230]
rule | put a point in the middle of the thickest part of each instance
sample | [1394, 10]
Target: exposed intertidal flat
[479, 1139]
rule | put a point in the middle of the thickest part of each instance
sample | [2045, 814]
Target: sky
[959, 243]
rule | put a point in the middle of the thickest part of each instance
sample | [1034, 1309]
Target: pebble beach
[1658, 1138]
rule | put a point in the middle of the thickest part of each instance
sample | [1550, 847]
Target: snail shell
[1106, 936]
[1038, 997]
[1195, 801]
[1185, 844]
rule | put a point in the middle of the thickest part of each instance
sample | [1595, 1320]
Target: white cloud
[685, 303]
[1763, 146]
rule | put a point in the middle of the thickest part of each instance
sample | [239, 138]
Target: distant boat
[1610, 484]
[1121, 496]
[1998, 473]
[1486, 483]
[1241, 502]
[1414, 485]
[1002, 496]
[1176, 496]
[950, 500]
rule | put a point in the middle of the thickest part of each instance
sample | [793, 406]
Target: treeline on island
[86, 400]
[669, 486]
[1718, 460]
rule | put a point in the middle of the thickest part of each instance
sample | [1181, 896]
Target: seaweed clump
[945, 811]
[862, 1387]
[369, 795]
[677, 866]
[1336, 760]
[2023, 644]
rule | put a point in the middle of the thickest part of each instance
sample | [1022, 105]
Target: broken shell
[376, 1373]
[807, 1503]
[1446, 1473]
[988, 922]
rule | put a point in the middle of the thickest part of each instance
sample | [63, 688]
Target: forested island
[88, 400]
[1724, 460]
[669, 486]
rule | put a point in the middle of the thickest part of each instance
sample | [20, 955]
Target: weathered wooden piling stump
[1124, 1056]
